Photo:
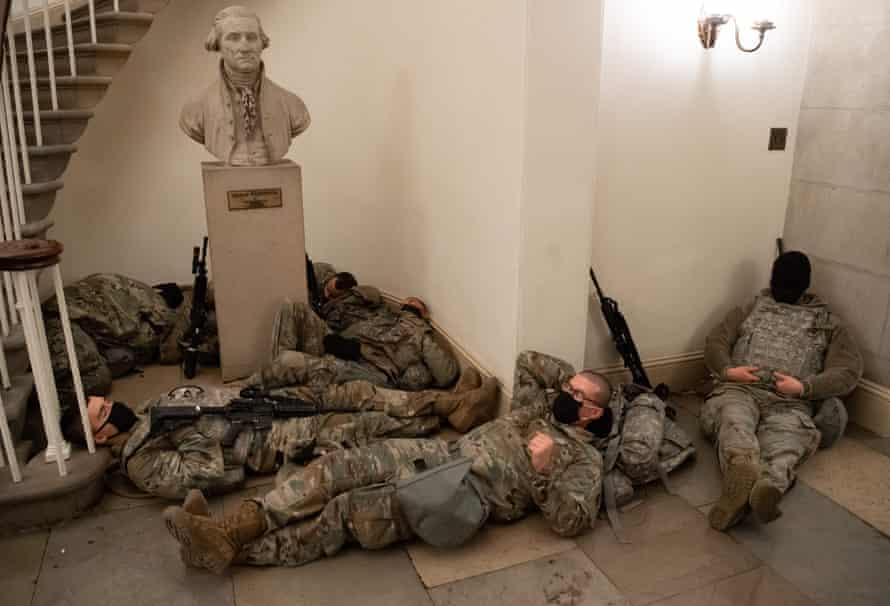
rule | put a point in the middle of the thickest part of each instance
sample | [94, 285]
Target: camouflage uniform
[121, 318]
[170, 464]
[360, 303]
[752, 422]
[350, 495]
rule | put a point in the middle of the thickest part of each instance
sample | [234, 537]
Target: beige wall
[411, 166]
[689, 201]
[839, 212]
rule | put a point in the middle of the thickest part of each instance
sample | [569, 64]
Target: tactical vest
[791, 339]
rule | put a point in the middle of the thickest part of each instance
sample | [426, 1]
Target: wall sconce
[709, 24]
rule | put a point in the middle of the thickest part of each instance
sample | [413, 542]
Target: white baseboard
[681, 372]
[869, 406]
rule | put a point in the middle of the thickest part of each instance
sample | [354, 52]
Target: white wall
[689, 201]
[563, 60]
[411, 166]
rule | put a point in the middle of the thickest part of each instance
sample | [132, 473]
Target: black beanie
[791, 276]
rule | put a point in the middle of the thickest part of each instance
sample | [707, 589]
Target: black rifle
[198, 317]
[312, 285]
[624, 342]
[780, 246]
[247, 411]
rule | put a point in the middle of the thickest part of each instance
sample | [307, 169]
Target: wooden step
[74, 92]
[111, 28]
[58, 127]
[38, 199]
[91, 60]
[128, 6]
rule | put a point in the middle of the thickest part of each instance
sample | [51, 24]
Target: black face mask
[566, 408]
[602, 426]
[786, 295]
[413, 310]
[121, 417]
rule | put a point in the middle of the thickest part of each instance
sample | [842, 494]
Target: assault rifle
[780, 246]
[253, 409]
[624, 342]
[198, 317]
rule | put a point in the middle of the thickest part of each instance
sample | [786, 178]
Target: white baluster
[50, 59]
[32, 73]
[117, 6]
[9, 446]
[7, 132]
[70, 36]
[93, 21]
[19, 111]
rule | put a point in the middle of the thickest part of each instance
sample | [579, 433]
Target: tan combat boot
[469, 380]
[737, 483]
[468, 409]
[210, 544]
[196, 504]
[764, 501]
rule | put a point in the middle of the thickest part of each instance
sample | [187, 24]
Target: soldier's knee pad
[831, 420]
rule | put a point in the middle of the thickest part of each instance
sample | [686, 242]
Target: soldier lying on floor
[544, 455]
[169, 463]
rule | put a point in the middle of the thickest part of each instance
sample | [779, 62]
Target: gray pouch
[441, 505]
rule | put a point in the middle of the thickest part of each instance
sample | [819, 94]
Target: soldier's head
[238, 36]
[338, 285]
[417, 307]
[107, 419]
[583, 401]
[790, 277]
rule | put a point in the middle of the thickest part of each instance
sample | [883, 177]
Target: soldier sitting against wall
[170, 463]
[783, 362]
[545, 454]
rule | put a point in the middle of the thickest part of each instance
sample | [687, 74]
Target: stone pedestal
[257, 255]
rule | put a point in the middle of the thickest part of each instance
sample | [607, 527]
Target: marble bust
[243, 118]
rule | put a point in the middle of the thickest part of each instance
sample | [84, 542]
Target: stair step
[111, 27]
[37, 229]
[129, 6]
[39, 198]
[14, 347]
[102, 59]
[23, 451]
[74, 92]
[15, 401]
[43, 498]
[58, 126]
[48, 162]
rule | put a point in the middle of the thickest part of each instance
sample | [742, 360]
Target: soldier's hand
[788, 385]
[741, 374]
[541, 447]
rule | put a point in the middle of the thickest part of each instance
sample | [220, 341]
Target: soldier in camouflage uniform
[119, 323]
[343, 302]
[779, 361]
[525, 460]
[394, 349]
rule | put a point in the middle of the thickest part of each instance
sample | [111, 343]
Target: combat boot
[468, 409]
[210, 544]
[737, 483]
[764, 501]
[196, 504]
[468, 381]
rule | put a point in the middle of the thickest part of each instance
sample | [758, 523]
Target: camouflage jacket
[568, 495]
[361, 303]
[117, 311]
[402, 346]
[805, 340]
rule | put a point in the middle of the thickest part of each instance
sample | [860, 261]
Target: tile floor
[825, 550]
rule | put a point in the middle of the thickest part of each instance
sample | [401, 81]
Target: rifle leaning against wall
[254, 409]
[624, 342]
[195, 336]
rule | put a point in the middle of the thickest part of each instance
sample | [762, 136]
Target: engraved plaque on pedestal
[257, 253]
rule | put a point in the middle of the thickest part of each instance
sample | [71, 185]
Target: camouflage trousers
[291, 368]
[346, 496]
[757, 426]
[170, 465]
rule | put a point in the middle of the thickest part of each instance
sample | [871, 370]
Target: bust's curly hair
[212, 41]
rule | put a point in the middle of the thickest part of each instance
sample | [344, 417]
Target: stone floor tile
[698, 481]
[496, 546]
[758, 587]
[828, 553]
[672, 549]
[123, 557]
[353, 576]
[21, 556]
[562, 579]
[854, 476]
[869, 438]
